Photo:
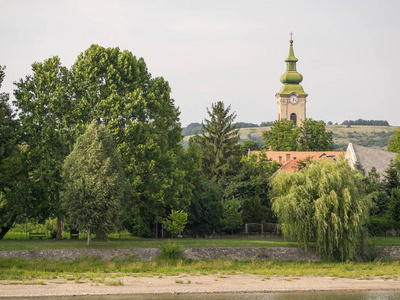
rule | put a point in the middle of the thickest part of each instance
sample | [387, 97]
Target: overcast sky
[226, 50]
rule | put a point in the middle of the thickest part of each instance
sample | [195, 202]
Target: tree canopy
[250, 185]
[394, 142]
[366, 122]
[310, 136]
[95, 187]
[314, 137]
[324, 202]
[46, 117]
[282, 136]
[13, 169]
[219, 147]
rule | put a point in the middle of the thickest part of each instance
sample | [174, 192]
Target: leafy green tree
[115, 88]
[176, 221]
[219, 148]
[205, 209]
[310, 136]
[392, 177]
[314, 137]
[394, 208]
[8, 127]
[324, 202]
[44, 103]
[247, 145]
[283, 136]
[231, 215]
[394, 142]
[375, 191]
[95, 185]
[18, 195]
[10, 164]
[250, 185]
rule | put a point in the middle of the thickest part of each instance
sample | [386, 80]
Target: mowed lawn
[37, 244]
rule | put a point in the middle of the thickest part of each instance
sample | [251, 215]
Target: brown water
[375, 295]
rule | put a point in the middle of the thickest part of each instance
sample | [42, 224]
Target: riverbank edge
[149, 254]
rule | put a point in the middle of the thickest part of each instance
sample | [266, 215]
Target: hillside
[369, 136]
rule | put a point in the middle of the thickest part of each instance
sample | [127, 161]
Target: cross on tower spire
[291, 37]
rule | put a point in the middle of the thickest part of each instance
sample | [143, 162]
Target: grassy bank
[10, 245]
[142, 243]
[96, 270]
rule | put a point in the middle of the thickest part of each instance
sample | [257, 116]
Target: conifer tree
[219, 148]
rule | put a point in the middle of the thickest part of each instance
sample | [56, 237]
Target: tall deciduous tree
[310, 136]
[282, 136]
[44, 103]
[250, 185]
[95, 185]
[219, 148]
[205, 209]
[314, 137]
[324, 202]
[394, 142]
[11, 165]
[231, 215]
[115, 88]
[394, 207]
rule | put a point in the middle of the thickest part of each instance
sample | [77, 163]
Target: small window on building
[293, 118]
[280, 159]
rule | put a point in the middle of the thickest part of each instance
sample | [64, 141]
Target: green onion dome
[291, 78]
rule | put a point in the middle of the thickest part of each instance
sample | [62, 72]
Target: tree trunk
[5, 228]
[89, 237]
[59, 221]
[156, 230]
[59, 227]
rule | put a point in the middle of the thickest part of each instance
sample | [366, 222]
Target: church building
[291, 98]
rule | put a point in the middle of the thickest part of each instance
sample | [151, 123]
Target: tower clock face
[293, 99]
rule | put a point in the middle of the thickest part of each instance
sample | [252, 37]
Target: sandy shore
[196, 285]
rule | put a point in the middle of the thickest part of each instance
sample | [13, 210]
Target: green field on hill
[368, 136]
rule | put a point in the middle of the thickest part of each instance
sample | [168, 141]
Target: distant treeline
[195, 128]
[366, 122]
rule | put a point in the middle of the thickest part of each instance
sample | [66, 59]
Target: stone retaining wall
[392, 252]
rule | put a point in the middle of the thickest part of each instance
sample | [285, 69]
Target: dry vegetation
[369, 136]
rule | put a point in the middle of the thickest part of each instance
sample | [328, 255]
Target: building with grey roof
[368, 158]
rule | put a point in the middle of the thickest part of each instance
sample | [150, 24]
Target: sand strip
[196, 285]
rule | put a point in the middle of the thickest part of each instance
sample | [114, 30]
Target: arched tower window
[293, 118]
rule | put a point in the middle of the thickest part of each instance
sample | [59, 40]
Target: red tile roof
[290, 159]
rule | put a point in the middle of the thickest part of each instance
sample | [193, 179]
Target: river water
[372, 295]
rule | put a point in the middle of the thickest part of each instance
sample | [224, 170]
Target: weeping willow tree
[323, 203]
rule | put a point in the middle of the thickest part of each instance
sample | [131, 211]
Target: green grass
[7, 245]
[141, 243]
[109, 272]
[386, 241]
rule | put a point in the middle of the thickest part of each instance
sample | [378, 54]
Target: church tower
[291, 97]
